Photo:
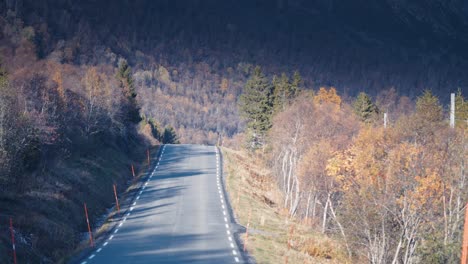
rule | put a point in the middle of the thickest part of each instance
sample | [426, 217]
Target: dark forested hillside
[192, 57]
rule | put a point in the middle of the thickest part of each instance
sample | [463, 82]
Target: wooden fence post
[13, 240]
[116, 199]
[91, 242]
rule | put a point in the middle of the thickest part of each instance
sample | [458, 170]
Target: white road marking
[230, 239]
[234, 252]
[111, 237]
[228, 232]
[232, 245]
[237, 260]
[92, 256]
[125, 219]
[222, 206]
[141, 192]
[134, 203]
[84, 262]
[146, 183]
[138, 197]
[120, 224]
[128, 214]
[225, 219]
[105, 244]
[131, 208]
[116, 230]
[99, 250]
[144, 187]
[226, 225]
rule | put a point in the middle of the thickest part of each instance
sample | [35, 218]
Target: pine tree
[364, 107]
[131, 111]
[256, 105]
[285, 91]
[155, 129]
[295, 86]
[461, 108]
[281, 88]
[427, 118]
[170, 136]
[428, 108]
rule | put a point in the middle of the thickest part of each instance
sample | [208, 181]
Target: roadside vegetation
[67, 134]
[393, 190]
[254, 196]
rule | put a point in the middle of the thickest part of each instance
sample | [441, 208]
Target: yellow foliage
[57, 78]
[341, 169]
[363, 164]
[164, 75]
[330, 96]
[428, 190]
[224, 85]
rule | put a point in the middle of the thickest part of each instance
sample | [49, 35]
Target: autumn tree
[302, 135]
[96, 95]
[327, 96]
[256, 106]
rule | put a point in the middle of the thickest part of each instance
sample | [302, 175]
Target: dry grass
[252, 192]
[105, 222]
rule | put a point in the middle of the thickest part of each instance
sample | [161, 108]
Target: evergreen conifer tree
[285, 90]
[170, 136]
[295, 86]
[461, 109]
[281, 88]
[364, 107]
[131, 111]
[256, 105]
[428, 108]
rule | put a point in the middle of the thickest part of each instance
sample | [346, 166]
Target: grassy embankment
[106, 222]
[49, 217]
[253, 192]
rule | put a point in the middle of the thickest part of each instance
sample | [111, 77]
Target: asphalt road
[180, 216]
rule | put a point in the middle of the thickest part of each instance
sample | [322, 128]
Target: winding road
[180, 214]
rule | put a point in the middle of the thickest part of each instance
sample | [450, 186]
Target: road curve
[179, 216]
